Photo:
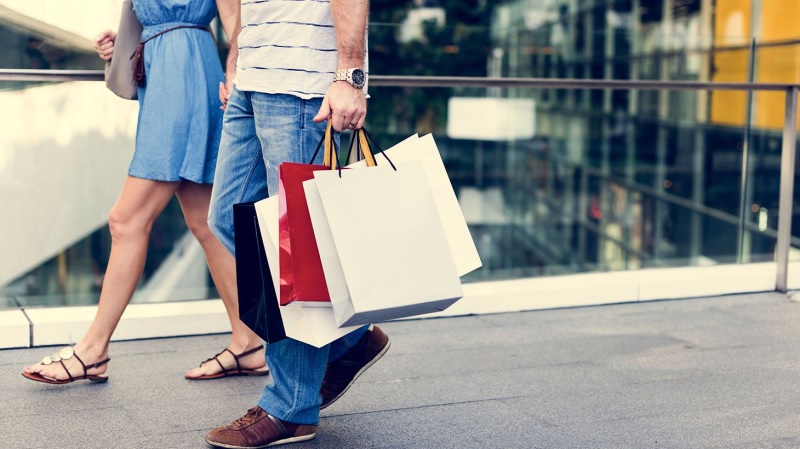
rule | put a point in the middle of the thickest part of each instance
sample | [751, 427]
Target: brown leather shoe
[341, 373]
[258, 429]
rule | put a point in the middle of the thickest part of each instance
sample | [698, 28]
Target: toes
[196, 372]
[34, 369]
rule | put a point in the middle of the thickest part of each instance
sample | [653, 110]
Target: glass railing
[558, 181]
[553, 176]
[64, 153]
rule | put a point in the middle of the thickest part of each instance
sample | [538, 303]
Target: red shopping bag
[301, 275]
[302, 278]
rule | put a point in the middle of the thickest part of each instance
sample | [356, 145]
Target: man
[299, 64]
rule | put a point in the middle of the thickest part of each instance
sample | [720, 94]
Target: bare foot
[54, 370]
[253, 363]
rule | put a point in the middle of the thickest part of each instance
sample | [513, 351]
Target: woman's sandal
[238, 371]
[66, 354]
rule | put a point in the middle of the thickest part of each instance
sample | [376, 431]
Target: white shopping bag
[311, 324]
[384, 231]
[465, 254]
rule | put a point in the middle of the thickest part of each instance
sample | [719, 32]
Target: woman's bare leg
[130, 222]
[194, 199]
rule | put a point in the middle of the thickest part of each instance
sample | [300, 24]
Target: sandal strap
[94, 365]
[86, 367]
[248, 352]
[212, 357]
[82, 364]
[224, 371]
[100, 363]
[236, 358]
[244, 354]
[71, 379]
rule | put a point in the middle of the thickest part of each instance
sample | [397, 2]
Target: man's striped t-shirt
[287, 47]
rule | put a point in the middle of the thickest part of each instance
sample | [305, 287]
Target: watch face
[358, 77]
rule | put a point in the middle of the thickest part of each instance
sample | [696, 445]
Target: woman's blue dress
[180, 121]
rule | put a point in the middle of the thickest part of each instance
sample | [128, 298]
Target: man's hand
[345, 105]
[226, 88]
[229, 15]
[104, 44]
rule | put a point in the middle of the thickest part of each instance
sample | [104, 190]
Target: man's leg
[288, 410]
[288, 134]
[349, 357]
[240, 175]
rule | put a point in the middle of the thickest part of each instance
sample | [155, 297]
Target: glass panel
[646, 181]
[61, 168]
[62, 164]
[576, 180]
[64, 153]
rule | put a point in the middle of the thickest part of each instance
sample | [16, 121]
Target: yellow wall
[727, 107]
[776, 65]
[773, 65]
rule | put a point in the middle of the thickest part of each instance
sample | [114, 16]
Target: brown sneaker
[341, 373]
[258, 429]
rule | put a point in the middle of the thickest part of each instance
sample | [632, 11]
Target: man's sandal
[238, 371]
[66, 354]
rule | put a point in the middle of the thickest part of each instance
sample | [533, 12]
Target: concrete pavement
[702, 373]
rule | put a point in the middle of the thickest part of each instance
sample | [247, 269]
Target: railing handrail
[784, 232]
[453, 81]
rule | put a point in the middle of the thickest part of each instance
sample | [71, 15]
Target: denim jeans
[259, 132]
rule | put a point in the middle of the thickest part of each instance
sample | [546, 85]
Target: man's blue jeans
[260, 131]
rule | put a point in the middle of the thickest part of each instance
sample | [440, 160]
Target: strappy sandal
[238, 371]
[66, 354]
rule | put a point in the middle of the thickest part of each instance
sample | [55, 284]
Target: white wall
[64, 153]
[85, 18]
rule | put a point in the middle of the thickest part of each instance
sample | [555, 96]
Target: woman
[177, 138]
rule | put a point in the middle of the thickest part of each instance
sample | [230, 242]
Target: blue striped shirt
[287, 47]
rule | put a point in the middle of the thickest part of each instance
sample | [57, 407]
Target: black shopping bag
[258, 303]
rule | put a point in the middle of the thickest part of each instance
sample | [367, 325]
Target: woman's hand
[104, 44]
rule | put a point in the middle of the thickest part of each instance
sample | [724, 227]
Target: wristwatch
[356, 77]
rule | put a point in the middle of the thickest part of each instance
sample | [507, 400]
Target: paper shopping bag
[258, 304]
[301, 275]
[424, 149]
[304, 322]
[387, 235]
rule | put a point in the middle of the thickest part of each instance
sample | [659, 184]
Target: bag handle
[330, 156]
[365, 142]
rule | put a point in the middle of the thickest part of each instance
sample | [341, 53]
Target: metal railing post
[786, 200]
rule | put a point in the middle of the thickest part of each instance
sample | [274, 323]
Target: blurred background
[551, 181]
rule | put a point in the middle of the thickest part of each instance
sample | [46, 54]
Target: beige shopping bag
[311, 324]
[382, 244]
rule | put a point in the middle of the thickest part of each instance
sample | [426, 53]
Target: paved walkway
[702, 373]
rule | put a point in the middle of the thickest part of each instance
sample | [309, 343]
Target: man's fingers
[342, 122]
[345, 107]
[223, 95]
[361, 121]
[324, 111]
